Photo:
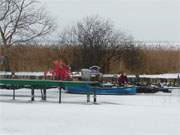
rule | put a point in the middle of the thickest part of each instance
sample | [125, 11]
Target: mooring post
[60, 95]
[94, 92]
[32, 94]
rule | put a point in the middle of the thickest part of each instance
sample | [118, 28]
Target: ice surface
[142, 114]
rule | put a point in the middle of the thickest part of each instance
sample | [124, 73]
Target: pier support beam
[44, 94]
[60, 95]
[94, 95]
[88, 97]
[14, 94]
[32, 94]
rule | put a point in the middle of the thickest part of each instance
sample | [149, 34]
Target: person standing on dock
[122, 79]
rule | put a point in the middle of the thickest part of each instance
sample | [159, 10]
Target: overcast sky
[144, 19]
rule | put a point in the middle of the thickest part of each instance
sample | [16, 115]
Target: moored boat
[103, 90]
[150, 89]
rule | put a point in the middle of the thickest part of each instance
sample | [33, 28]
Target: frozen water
[142, 114]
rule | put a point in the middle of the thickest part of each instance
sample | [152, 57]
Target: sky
[145, 20]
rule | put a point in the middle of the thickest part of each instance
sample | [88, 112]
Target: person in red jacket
[122, 79]
[62, 71]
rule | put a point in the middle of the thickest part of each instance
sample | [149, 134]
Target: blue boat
[102, 90]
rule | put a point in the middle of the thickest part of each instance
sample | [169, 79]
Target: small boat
[103, 90]
[150, 89]
[116, 91]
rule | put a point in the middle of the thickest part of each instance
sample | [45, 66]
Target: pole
[94, 92]
[13, 94]
[88, 93]
[44, 94]
[88, 97]
[32, 94]
[60, 95]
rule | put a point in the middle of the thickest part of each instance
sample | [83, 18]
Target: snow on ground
[142, 114]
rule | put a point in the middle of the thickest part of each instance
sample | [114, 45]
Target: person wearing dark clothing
[122, 79]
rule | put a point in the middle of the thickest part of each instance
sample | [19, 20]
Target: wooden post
[32, 94]
[60, 95]
[13, 94]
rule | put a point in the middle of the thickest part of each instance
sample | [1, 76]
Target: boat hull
[103, 91]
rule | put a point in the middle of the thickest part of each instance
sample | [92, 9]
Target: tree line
[141, 60]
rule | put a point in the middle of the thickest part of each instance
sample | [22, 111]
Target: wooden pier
[43, 85]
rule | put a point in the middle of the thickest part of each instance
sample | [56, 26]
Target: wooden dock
[43, 85]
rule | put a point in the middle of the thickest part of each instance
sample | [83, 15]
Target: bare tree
[22, 21]
[3, 9]
[98, 41]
